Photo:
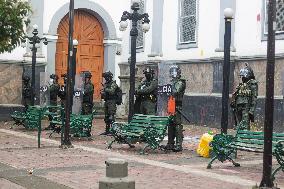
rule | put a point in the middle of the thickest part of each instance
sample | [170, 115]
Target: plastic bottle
[203, 146]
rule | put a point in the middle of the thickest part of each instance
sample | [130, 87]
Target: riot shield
[78, 94]
[164, 88]
[44, 99]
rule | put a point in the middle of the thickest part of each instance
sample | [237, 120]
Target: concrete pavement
[23, 165]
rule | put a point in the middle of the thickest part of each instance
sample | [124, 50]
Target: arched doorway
[90, 54]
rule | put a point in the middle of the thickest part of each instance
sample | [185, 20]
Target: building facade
[189, 33]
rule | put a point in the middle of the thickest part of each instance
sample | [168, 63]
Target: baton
[183, 115]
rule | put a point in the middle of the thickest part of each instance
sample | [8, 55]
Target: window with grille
[279, 16]
[140, 37]
[187, 21]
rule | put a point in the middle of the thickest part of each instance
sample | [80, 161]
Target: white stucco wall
[248, 35]
[248, 30]
[16, 54]
[208, 31]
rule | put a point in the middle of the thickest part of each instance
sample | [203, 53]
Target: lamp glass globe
[35, 26]
[228, 13]
[75, 42]
[135, 1]
[146, 27]
[123, 24]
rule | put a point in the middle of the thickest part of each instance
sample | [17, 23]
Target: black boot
[179, 138]
[171, 138]
[177, 148]
[106, 131]
[168, 147]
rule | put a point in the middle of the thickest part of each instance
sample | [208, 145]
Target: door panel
[90, 53]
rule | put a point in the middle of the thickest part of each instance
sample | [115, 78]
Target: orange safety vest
[171, 106]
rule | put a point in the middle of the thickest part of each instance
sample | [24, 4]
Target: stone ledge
[7, 109]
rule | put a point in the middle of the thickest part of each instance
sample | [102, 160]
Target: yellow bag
[203, 146]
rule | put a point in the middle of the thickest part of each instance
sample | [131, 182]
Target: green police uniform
[62, 91]
[245, 102]
[244, 99]
[88, 94]
[26, 92]
[54, 90]
[175, 129]
[110, 97]
[147, 93]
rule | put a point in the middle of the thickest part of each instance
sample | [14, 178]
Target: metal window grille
[187, 25]
[279, 16]
[140, 37]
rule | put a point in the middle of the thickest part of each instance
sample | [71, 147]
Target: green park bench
[30, 119]
[225, 146]
[80, 125]
[148, 129]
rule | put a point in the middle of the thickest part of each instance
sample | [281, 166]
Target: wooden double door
[90, 53]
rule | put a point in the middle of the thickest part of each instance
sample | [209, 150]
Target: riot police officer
[88, 93]
[53, 92]
[175, 129]
[54, 89]
[62, 91]
[147, 93]
[244, 98]
[26, 92]
[109, 95]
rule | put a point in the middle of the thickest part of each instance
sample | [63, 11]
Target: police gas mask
[108, 76]
[148, 72]
[244, 74]
[175, 72]
[87, 79]
[108, 79]
[148, 76]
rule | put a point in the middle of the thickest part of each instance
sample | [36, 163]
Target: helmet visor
[174, 73]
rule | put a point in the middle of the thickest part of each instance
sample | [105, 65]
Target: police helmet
[107, 74]
[148, 70]
[87, 74]
[53, 76]
[246, 72]
[175, 71]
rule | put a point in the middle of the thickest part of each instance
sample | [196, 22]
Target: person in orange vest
[175, 129]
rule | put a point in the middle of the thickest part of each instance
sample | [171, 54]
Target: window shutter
[187, 21]
[280, 16]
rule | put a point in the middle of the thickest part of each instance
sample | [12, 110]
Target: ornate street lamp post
[269, 97]
[228, 13]
[34, 41]
[75, 47]
[69, 95]
[134, 17]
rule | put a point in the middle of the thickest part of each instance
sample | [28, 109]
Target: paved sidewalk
[23, 165]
